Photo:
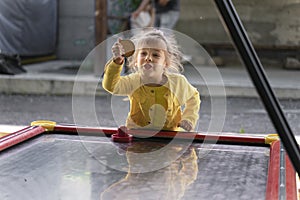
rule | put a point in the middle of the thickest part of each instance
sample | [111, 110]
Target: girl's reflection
[167, 183]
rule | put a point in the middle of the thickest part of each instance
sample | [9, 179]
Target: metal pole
[242, 43]
[100, 34]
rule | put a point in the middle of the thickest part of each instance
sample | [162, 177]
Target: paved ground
[241, 114]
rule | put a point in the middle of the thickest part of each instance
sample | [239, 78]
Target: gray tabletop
[58, 166]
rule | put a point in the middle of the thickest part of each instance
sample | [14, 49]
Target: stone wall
[272, 25]
[76, 29]
[268, 22]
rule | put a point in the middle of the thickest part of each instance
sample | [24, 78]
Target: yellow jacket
[154, 107]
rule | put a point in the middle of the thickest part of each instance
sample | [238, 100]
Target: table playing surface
[69, 166]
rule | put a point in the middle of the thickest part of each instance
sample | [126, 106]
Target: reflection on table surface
[87, 167]
[169, 182]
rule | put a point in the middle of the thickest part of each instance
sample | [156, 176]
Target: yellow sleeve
[191, 109]
[112, 75]
[116, 84]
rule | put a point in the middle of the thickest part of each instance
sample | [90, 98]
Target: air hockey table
[55, 161]
[59, 161]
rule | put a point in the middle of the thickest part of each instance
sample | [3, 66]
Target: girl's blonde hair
[173, 54]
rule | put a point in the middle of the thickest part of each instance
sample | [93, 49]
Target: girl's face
[151, 63]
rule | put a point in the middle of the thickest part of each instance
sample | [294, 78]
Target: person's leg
[169, 19]
[157, 20]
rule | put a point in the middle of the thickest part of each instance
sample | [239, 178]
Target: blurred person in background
[166, 12]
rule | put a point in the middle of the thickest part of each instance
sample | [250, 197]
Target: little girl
[160, 97]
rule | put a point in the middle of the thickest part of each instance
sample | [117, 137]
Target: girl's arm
[116, 84]
[112, 75]
[191, 110]
[112, 70]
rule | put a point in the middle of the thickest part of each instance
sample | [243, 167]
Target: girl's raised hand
[118, 52]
